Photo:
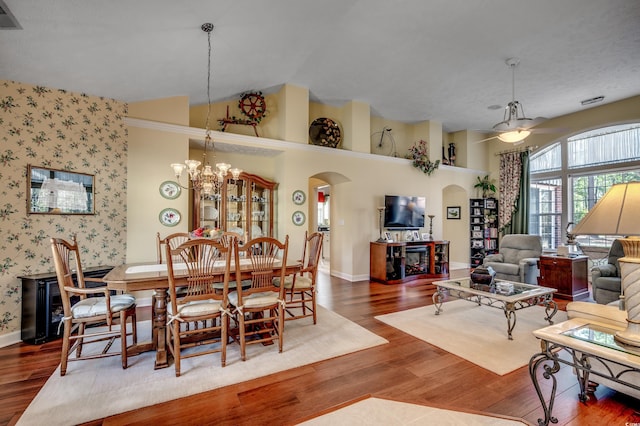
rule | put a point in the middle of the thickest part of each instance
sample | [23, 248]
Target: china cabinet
[244, 205]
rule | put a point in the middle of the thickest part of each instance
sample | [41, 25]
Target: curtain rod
[526, 148]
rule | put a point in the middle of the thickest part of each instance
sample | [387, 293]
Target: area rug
[378, 411]
[99, 388]
[476, 333]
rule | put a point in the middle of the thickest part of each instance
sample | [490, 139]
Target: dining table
[132, 277]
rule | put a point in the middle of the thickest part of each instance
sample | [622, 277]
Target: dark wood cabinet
[566, 274]
[398, 262]
[42, 305]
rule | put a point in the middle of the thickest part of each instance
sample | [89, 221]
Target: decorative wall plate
[325, 132]
[298, 197]
[170, 190]
[298, 218]
[169, 217]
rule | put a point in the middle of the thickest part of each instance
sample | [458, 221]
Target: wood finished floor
[406, 369]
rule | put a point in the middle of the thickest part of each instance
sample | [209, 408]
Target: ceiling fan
[515, 126]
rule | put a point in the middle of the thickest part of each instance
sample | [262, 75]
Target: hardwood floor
[406, 369]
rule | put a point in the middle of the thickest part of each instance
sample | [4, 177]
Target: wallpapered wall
[60, 130]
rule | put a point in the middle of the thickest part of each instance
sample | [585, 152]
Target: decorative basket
[483, 276]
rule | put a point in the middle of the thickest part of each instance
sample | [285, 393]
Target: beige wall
[358, 184]
[150, 154]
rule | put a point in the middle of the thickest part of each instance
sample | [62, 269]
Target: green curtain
[520, 219]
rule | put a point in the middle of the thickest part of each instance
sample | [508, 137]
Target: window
[545, 212]
[615, 144]
[546, 160]
[595, 160]
[587, 190]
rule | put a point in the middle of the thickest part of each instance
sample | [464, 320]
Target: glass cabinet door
[260, 211]
[236, 205]
[211, 211]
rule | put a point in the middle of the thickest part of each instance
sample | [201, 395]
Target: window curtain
[513, 215]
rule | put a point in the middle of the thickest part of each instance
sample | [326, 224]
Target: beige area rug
[476, 333]
[376, 411]
[99, 388]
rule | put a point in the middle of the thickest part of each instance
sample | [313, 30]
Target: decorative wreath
[253, 106]
[419, 153]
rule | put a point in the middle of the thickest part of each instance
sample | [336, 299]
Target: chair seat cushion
[232, 284]
[288, 281]
[504, 268]
[303, 283]
[95, 306]
[609, 283]
[197, 308]
[255, 300]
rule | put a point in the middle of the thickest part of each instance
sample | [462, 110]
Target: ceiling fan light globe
[514, 136]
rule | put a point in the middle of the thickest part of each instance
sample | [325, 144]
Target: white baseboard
[143, 301]
[458, 265]
[10, 339]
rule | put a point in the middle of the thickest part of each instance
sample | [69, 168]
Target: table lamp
[616, 213]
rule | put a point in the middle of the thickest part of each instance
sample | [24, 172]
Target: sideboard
[398, 262]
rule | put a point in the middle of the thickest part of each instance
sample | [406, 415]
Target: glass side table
[592, 351]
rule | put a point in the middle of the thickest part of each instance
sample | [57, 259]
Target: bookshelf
[483, 232]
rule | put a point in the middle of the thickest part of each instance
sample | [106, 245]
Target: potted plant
[486, 185]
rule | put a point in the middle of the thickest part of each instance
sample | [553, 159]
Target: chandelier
[202, 175]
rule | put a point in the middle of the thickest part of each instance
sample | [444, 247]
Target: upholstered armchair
[517, 259]
[605, 279]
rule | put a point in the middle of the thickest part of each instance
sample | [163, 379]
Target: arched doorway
[321, 187]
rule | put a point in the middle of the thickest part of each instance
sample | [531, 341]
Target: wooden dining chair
[173, 240]
[300, 288]
[231, 239]
[85, 306]
[259, 309]
[227, 236]
[198, 315]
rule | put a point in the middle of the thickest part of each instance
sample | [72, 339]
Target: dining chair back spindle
[89, 306]
[198, 314]
[259, 308]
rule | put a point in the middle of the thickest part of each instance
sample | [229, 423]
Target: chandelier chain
[205, 179]
[208, 30]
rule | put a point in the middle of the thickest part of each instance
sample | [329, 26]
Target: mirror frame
[37, 203]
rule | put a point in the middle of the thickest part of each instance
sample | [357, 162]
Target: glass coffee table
[506, 295]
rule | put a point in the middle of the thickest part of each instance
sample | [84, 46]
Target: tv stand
[399, 262]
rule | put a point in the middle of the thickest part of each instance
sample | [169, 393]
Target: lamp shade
[616, 213]
[514, 136]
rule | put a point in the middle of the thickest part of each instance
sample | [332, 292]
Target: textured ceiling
[410, 60]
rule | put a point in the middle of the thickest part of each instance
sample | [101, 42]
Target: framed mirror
[51, 191]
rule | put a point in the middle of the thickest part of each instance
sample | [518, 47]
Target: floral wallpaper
[61, 130]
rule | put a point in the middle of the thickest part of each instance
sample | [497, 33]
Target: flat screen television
[404, 212]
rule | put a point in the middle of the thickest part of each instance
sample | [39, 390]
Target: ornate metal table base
[509, 308]
[584, 365]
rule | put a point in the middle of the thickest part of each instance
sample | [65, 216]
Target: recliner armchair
[517, 259]
[606, 281]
